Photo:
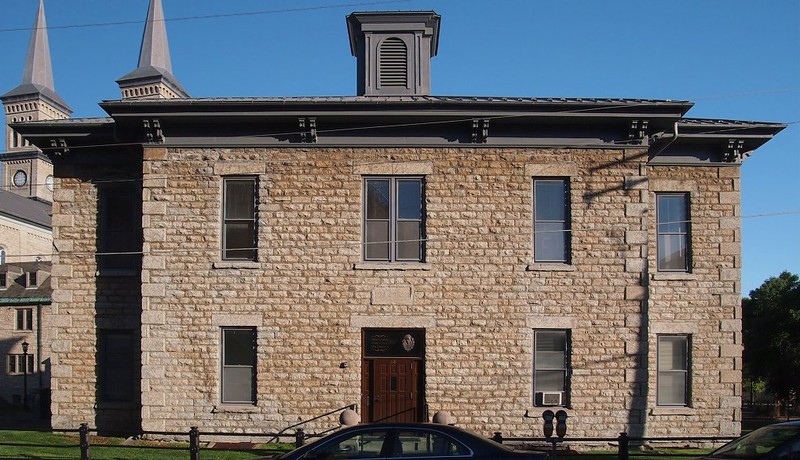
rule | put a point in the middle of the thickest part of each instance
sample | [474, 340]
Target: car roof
[789, 423]
[402, 425]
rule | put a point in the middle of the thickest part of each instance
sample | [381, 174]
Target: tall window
[16, 363]
[24, 319]
[239, 218]
[551, 223]
[116, 365]
[239, 365]
[673, 370]
[119, 228]
[2, 255]
[550, 367]
[394, 227]
[672, 215]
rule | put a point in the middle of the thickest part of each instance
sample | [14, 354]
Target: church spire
[153, 77]
[37, 78]
[25, 170]
[38, 68]
[155, 49]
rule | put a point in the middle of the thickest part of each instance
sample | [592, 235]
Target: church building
[26, 238]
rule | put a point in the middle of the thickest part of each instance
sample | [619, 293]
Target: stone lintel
[393, 295]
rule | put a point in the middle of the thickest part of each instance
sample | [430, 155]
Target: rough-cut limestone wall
[478, 296]
[85, 302]
[705, 303]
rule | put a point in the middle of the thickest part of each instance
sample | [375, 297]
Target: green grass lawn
[39, 445]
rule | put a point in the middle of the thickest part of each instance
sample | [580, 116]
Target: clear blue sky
[735, 59]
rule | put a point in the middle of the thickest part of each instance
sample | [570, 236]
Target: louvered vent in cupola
[393, 63]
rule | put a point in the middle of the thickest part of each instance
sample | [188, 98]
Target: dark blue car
[780, 441]
[419, 441]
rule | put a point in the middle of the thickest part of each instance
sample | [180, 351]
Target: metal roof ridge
[410, 99]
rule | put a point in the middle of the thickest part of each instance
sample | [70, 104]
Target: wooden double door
[393, 386]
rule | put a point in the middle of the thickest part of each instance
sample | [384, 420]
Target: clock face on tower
[20, 178]
[49, 182]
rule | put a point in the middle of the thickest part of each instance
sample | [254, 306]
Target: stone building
[241, 264]
[25, 293]
[26, 238]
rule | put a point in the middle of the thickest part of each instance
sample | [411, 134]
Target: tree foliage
[771, 334]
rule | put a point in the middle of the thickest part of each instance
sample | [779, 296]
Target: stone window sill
[553, 267]
[537, 411]
[674, 276]
[235, 409]
[391, 266]
[246, 264]
[677, 410]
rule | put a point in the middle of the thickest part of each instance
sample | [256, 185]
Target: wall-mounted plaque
[391, 343]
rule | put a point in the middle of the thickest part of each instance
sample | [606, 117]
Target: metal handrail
[349, 406]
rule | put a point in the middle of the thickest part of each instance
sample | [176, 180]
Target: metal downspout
[674, 138]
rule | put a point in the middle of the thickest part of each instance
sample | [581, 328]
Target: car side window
[427, 443]
[364, 445]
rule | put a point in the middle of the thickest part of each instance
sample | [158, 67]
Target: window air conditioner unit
[549, 398]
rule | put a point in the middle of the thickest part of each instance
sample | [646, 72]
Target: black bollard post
[83, 432]
[299, 437]
[498, 437]
[194, 443]
[623, 446]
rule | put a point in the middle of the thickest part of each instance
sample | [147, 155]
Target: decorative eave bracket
[152, 131]
[638, 131]
[308, 130]
[734, 152]
[480, 130]
[59, 146]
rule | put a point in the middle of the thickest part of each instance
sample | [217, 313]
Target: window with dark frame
[673, 366]
[674, 230]
[394, 224]
[15, 363]
[551, 221]
[119, 238]
[24, 319]
[238, 365]
[239, 218]
[116, 365]
[551, 358]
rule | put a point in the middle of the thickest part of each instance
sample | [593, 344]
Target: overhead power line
[748, 94]
[467, 238]
[217, 16]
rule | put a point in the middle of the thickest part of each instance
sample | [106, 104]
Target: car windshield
[758, 443]
[361, 444]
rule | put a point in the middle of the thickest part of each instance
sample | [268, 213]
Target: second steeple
[153, 78]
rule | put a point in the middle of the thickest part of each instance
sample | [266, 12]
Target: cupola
[394, 51]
